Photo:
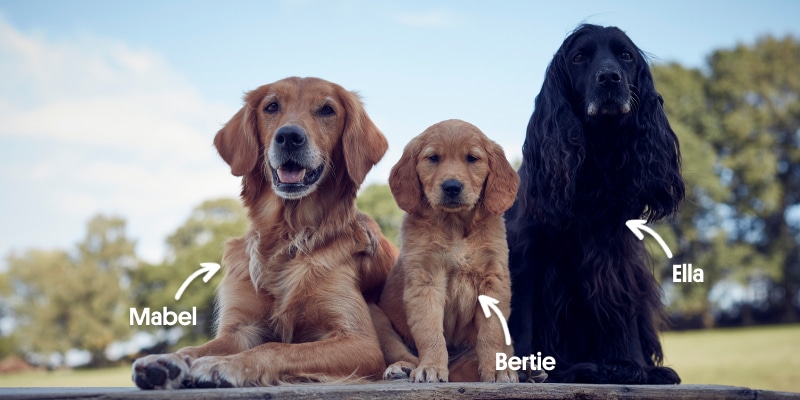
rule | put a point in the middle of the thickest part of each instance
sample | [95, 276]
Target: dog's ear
[403, 180]
[502, 182]
[237, 141]
[657, 153]
[364, 145]
[554, 147]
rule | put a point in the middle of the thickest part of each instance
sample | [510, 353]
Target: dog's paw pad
[155, 374]
[396, 375]
[398, 370]
[206, 385]
[163, 371]
[142, 383]
[172, 370]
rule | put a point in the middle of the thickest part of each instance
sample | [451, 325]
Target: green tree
[200, 239]
[755, 93]
[693, 234]
[7, 346]
[376, 200]
[42, 284]
[739, 126]
[62, 302]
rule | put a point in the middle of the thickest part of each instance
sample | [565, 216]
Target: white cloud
[149, 125]
[99, 92]
[437, 18]
[93, 125]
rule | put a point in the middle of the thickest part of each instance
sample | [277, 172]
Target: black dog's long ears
[553, 149]
[660, 184]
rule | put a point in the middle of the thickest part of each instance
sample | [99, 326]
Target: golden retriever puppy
[292, 305]
[454, 184]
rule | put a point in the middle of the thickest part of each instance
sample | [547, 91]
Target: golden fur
[292, 303]
[453, 249]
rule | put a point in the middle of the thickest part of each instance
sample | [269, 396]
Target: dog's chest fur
[463, 259]
[290, 276]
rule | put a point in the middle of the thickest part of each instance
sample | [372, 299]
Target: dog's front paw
[535, 376]
[488, 373]
[216, 372]
[161, 371]
[429, 373]
[399, 370]
[501, 376]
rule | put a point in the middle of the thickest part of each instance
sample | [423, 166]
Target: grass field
[70, 378]
[758, 358]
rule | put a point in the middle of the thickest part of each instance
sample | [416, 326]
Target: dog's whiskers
[634, 99]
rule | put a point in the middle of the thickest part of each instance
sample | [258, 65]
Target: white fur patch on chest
[256, 265]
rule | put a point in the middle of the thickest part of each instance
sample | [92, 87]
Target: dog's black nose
[608, 77]
[452, 188]
[290, 137]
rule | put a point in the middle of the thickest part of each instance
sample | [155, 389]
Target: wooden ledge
[405, 390]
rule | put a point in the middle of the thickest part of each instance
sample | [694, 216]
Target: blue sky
[111, 107]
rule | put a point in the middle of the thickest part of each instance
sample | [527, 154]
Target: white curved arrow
[637, 225]
[205, 268]
[489, 302]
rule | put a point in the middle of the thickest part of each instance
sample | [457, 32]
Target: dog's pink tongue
[290, 175]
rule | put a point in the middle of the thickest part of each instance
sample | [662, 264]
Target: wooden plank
[405, 390]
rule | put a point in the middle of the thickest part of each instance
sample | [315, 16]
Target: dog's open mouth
[292, 177]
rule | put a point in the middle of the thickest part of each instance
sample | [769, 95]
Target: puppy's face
[603, 66]
[452, 165]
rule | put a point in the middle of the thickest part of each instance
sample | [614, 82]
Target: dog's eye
[579, 58]
[626, 56]
[325, 111]
[471, 159]
[434, 158]
[272, 107]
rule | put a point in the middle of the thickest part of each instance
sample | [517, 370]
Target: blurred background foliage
[738, 120]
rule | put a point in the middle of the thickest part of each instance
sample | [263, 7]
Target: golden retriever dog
[454, 184]
[292, 306]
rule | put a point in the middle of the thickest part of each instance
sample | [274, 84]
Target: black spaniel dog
[599, 151]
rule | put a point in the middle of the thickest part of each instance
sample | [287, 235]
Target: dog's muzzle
[292, 163]
[451, 193]
[611, 96]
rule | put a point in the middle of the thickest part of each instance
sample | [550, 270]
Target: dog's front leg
[348, 355]
[399, 359]
[424, 299]
[491, 337]
[172, 370]
[241, 326]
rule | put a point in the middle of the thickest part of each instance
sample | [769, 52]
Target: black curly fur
[583, 291]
